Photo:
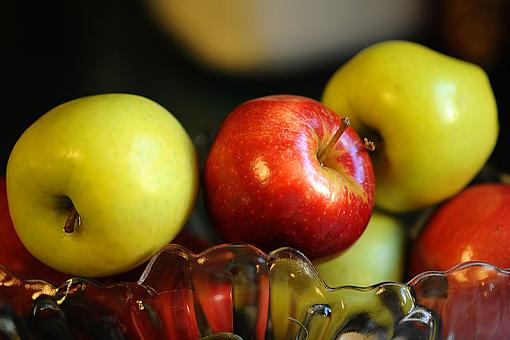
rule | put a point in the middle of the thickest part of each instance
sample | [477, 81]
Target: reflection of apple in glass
[472, 226]
[98, 184]
[13, 253]
[285, 170]
[377, 256]
[433, 118]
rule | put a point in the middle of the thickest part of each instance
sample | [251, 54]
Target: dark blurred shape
[477, 31]
[49, 321]
[12, 325]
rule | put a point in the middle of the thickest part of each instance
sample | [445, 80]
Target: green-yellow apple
[377, 256]
[432, 117]
[98, 184]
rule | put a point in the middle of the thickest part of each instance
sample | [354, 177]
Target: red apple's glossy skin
[473, 225]
[264, 185]
[13, 253]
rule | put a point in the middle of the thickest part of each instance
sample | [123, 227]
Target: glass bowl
[236, 291]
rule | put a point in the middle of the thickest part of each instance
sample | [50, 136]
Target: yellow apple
[432, 117]
[377, 256]
[262, 36]
[98, 184]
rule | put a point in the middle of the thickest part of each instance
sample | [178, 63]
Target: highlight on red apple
[285, 170]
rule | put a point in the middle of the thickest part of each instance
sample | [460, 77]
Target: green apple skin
[377, 256]
[124, 162]
[433, 118]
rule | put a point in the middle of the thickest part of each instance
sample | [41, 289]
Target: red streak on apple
[13, 253]
[264, 184]
[474, 225]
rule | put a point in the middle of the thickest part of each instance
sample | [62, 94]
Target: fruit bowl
[236, 291]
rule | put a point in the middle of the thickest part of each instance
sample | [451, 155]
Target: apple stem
[344, 124]
[72, 219]
[369, 145]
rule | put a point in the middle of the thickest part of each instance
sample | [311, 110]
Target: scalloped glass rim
[237, 288]
[410, 282]
[427, 290]
[457, 268]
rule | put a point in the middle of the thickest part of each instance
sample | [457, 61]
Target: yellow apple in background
[257, 36]
[432, 117]
[377, 256]
[98, 184]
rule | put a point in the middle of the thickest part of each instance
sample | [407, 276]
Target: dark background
[56, 51]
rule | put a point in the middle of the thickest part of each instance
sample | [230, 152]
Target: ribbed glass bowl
[236, 291]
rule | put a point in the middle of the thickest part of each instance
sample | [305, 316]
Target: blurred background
[201, 58]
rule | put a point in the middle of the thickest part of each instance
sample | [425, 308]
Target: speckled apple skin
[264, 185]
[474, 225]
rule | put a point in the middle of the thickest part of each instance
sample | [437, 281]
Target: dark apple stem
[72, 220]
[344, 124]
[369, 145]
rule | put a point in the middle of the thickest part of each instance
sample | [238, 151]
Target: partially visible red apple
[13, 253]
[473, 225]
[193, 241]
[285, 170]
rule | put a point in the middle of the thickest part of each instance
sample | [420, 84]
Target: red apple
[472, 225]
[278, 174]
[13, 253]
[193, 241]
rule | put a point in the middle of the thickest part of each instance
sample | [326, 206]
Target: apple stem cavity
[73, 219]
[344, 124]
[369, 145]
